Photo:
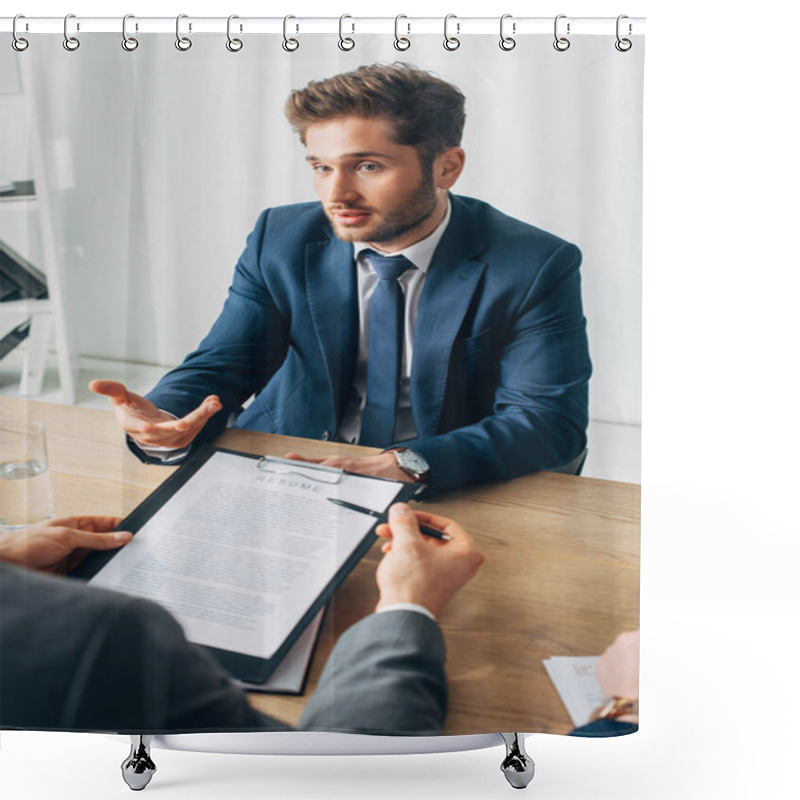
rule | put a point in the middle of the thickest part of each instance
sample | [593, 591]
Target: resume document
[239, 553]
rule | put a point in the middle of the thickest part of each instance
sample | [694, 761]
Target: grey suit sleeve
[385, 676]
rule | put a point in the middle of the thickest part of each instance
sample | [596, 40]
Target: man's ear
[447, 167]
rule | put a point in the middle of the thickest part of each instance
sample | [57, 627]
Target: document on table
[242, 555]
[290, 676]
[576, 682]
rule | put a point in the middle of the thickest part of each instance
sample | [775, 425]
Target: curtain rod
[299, 25]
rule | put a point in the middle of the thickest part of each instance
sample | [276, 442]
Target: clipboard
[245, 666]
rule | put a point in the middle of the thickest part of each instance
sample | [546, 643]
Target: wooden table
[561, 575]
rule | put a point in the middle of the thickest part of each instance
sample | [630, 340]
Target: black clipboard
[248, 668]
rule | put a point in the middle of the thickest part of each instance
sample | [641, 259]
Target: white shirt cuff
[165, 454]
[407, 607]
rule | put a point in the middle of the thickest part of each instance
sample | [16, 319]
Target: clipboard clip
[329, 475]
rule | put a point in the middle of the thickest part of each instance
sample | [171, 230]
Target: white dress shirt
[411, 283]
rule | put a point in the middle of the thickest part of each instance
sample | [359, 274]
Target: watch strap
[419, 477]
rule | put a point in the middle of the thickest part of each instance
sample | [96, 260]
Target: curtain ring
[71, 43]
[623, 45]
[561, 43]
[401, 42]
[289, 44]
[183, 43]
[18, 42]
[451, 42]
[234, 45]
[345, 42]
[507, 42]
[129, 43]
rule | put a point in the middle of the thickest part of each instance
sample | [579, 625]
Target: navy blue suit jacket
[501, 364]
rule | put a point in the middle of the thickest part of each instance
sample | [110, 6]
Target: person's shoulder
[311, 210]
[295, 222]
[297, 215]
[26, 588]
[25, 594]
[499, 228]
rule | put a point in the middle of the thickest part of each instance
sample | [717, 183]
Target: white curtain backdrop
[157, 163]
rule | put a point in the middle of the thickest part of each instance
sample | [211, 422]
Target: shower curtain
[155, 161]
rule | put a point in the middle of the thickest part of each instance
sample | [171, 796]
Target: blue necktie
[386, 313]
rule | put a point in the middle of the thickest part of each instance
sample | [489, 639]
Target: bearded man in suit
[392, 312]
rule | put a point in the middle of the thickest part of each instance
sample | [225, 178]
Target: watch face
[412, 461]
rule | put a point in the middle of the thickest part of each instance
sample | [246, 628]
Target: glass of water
[25, 494]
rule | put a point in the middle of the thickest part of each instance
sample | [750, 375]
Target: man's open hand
[150, 426]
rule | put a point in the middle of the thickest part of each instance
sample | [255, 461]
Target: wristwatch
[412, 463]
[616, 707]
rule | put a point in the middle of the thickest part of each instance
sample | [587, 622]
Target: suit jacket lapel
[450, 285]
[333, 301]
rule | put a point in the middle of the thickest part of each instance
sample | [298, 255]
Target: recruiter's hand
[58, 545]
[148, 425]
[383, 465]
[618, 667]
[418, 569]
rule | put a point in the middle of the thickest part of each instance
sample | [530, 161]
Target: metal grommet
[234, 45]
[623, 45]
[183, 43]
[129, 43]
[71, 43]
[561, 43]
[451, 42]
[507, 42]
[289, 44]
[401, 42]
[345, 42]
[18, 42]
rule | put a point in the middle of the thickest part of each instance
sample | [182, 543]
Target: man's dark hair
[423, 110]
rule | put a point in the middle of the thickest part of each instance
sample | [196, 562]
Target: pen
[432, 532]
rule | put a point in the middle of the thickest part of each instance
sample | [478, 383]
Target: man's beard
[415, 210]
